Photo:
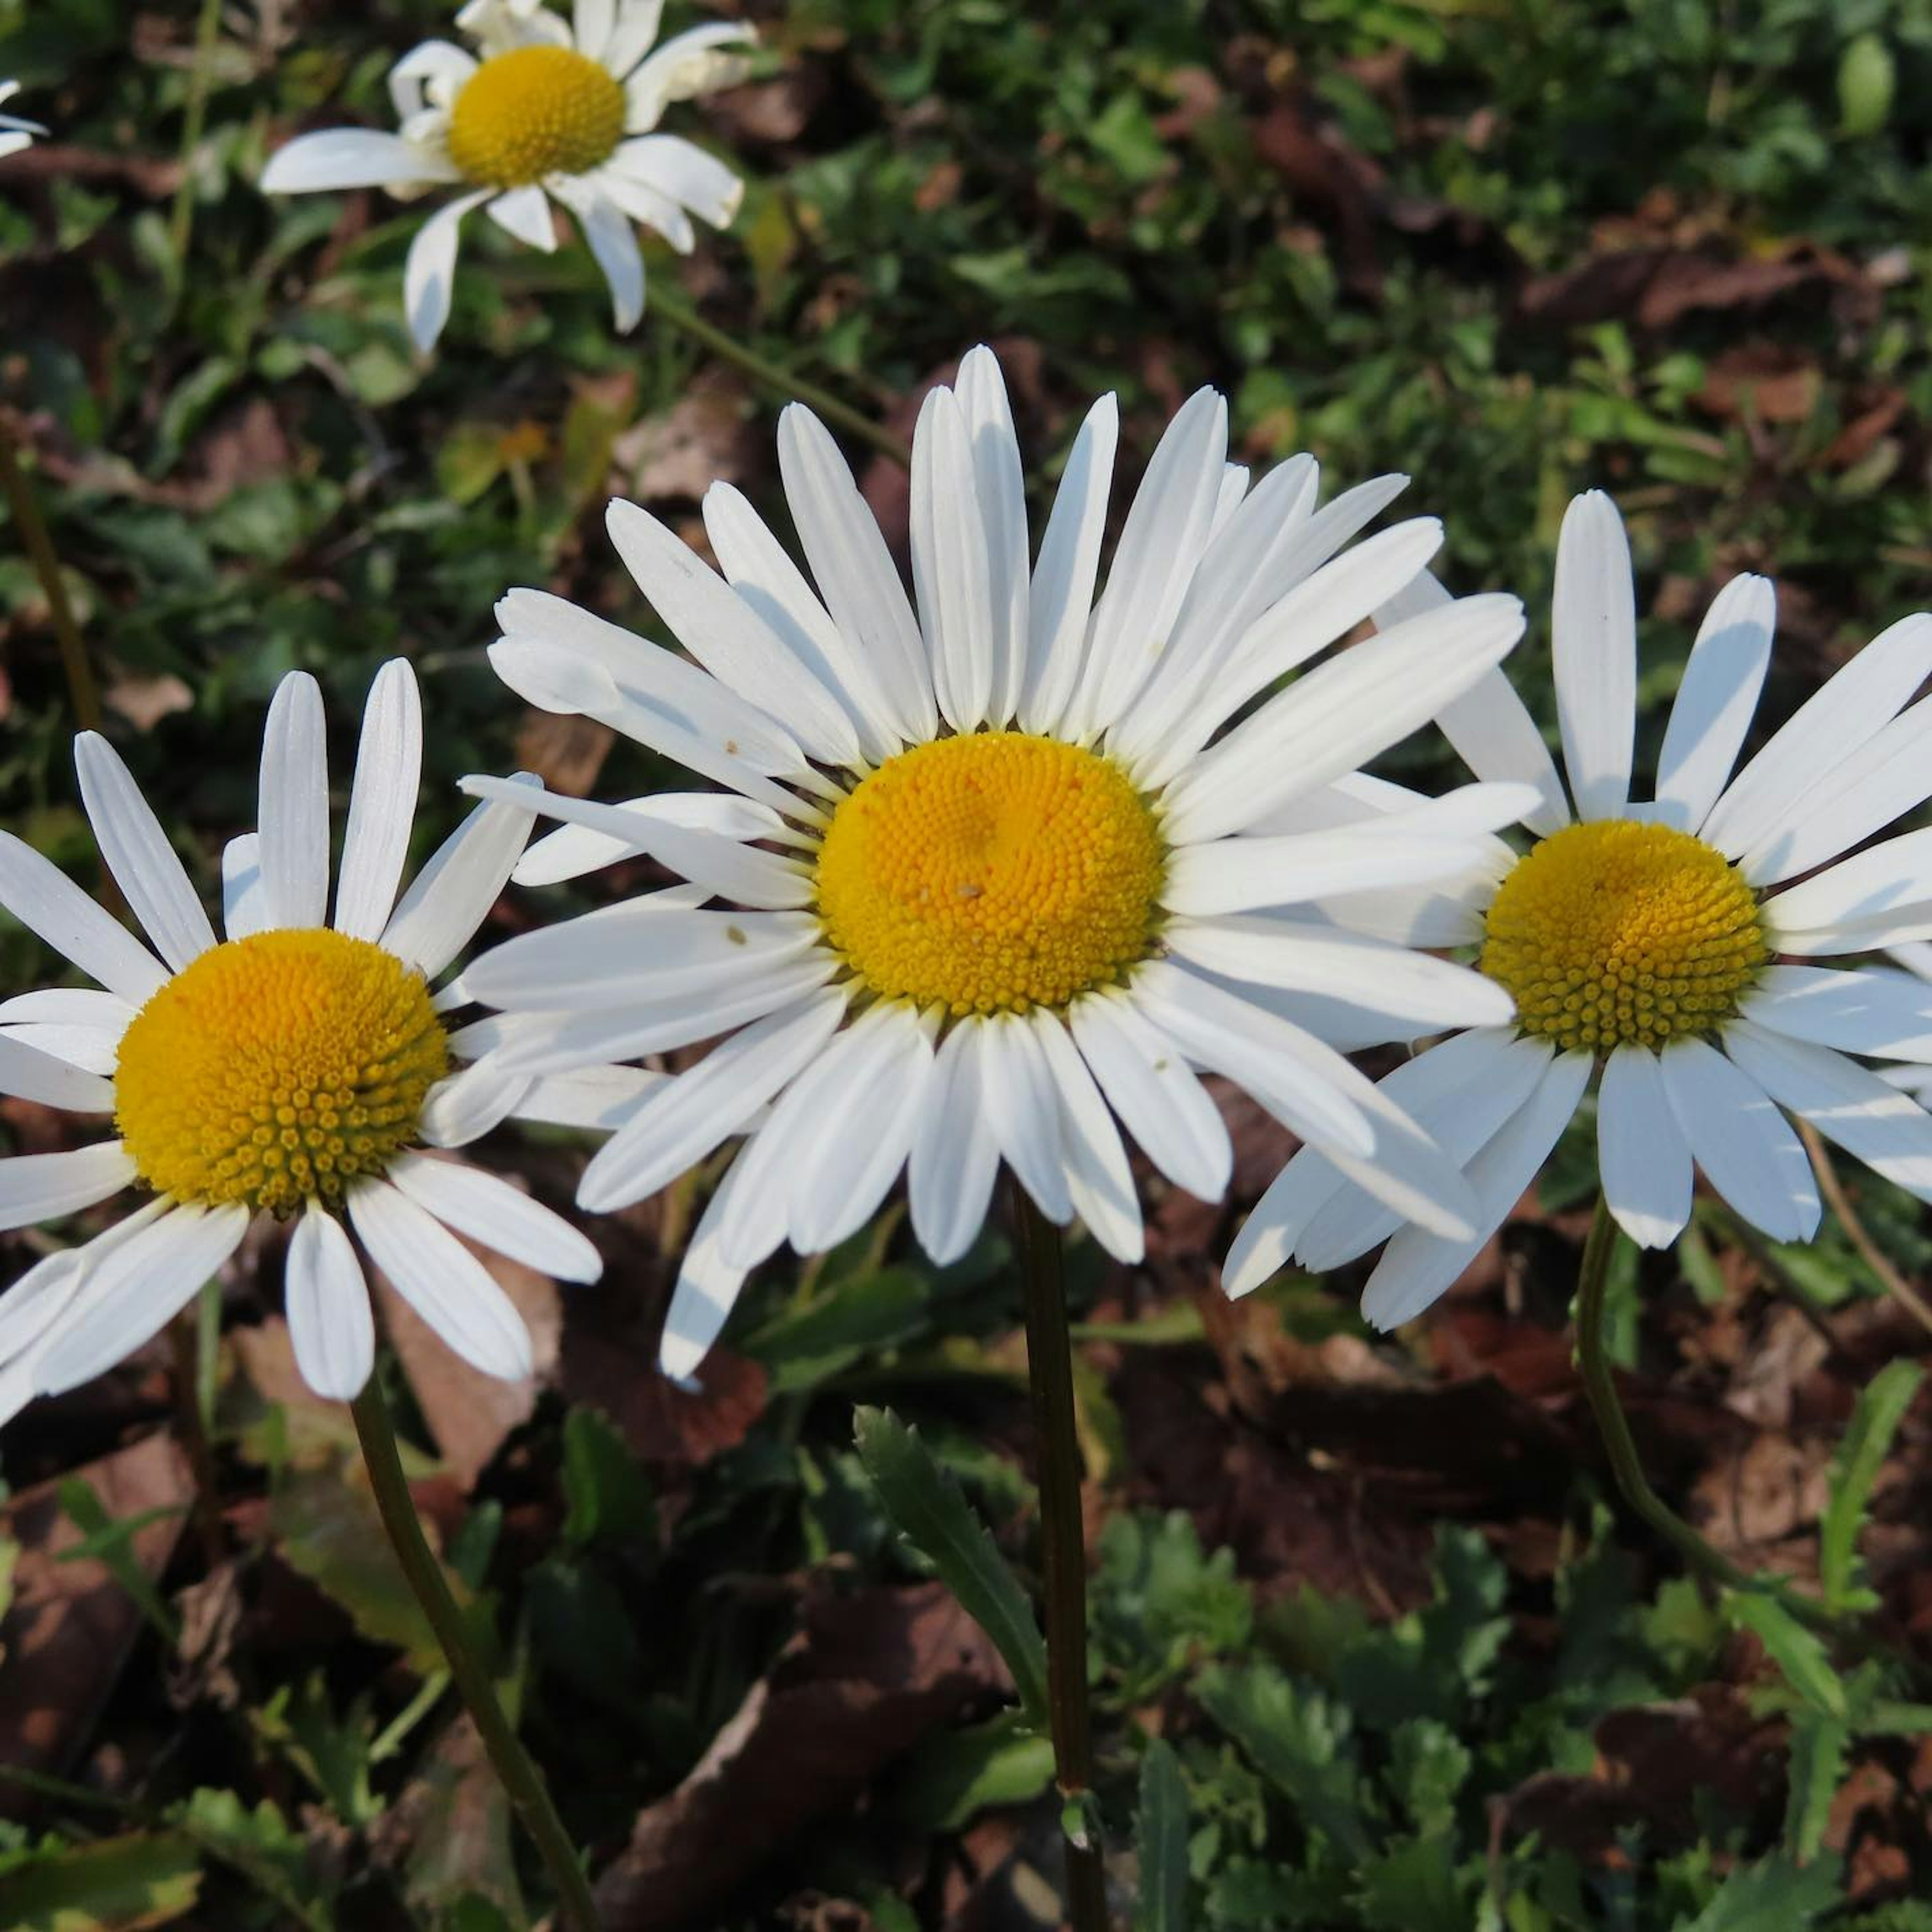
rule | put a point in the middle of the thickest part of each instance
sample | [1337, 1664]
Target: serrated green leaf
[1882, 1406]
[928, 1509]
[1299, 1738]
[1817, 1763]
[1773, 1893]
[1415, 1888]
[127, 1884]
[1805, 1662]
[1162, 1835]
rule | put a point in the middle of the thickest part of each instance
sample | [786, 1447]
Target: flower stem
[1050, 1373]
[194, 118]
[514, 1765]
[777, 378]
[1599, 1383]
[25, 508]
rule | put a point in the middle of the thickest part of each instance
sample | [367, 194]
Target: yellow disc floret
[275, 1069]
[991, 873]
[532, 111]
[1616, 932]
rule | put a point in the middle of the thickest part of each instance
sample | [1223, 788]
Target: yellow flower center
[997, 872]
[275, 1069]
[1614, 932]
[534, 111]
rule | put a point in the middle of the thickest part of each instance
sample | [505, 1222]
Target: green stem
[194, 118]
[1599, 1383]
[32, 526]
[1050, 1374]
[777, 378]
[514, 1765]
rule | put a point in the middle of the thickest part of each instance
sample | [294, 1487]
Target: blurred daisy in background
[293, 1068]
[544, 109]
[1660, 947]
[15, 133]
[1002, 868]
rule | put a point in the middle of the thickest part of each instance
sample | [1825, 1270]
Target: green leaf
[1866, 79]
[927, 1509]
[110, 1541]
[1806, 1664]
[1428, 1765]
[1162, 1841]
[1817, 1763]
[953, 1775]
[1297, 1738]
[606, 1493]
[118, 1885]
[882, 1308]
[1773, 1893]
[259, 1844]
[1881, 1408]
[1415, 1889]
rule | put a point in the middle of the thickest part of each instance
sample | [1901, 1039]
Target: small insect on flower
[1003, 868]
[544, 109]
[295, 1069]
[1659, 946]
[15, 133]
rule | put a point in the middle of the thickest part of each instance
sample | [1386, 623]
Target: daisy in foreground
[1003, 869]
[1660, 947]
[544, 109]
[291, 1069]
[15, 133]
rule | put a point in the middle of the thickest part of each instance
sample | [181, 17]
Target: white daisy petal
[632, 35]
[1883, 1013]
[854, 569]
[1148, 1083]
[347, 158]
[1888, 776]
[591, 22]
[1303, 957]
[244, 900]
[1061, 600]
[30, 1308]
[752, 877]
[688, 64]
[331, 1326]
[382, 802]
[30, 1075]
[51, 906]
[684, 174]
[575, 849]
[70, 1006]
[469, 1104]
[442, 1281]
[524, 212]
[1489, 725]
[1018, 1087]
[758, 569]
[1593, 643]
[1417, 1267]
[452, 895]
[955, 1158]
[864, 1121]
[135, 1290]
[707, 1284]
[599, 1099]
[727, 637]
[949, 562]
[1847, 1103]
[681, 1123]
[1857, 704]
[981, 390]
[1642, 1154]
[429, 274]
[1340, 715]
[1744, 1144]
[45, 1186]
[430, 75]
[1099, 1183]
[1888, 882]
[613, 241]
[1717, 701]
[1236, 874]
[138, 853]
[492, 1212]
[293, 813]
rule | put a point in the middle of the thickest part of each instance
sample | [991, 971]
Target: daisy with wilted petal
[1660, 948]
[1004, 867]
[294, 1069]
[15, 133]
[544, 109]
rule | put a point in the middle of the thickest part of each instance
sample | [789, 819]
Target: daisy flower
[544, 109]
[1003, 869]
[1665, 950]
[293, 1070]
[15, 133]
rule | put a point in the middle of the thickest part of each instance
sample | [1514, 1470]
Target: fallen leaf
[867, 1676]
[1654, 287]
[71, 1627]
[704, 437]
[144, 701]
